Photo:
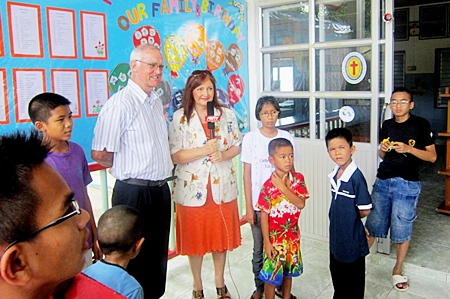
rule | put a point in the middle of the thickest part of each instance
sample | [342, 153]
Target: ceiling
[402, 3]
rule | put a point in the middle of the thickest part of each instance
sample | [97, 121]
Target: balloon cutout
[118, 78]
[165, 94]
[215, 54]
[175, 51]
[236, 87]
[175, 103]
[234, 58]
[195, 40]
[146, 35]
[223, 98]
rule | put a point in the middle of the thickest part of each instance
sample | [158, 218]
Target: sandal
[198, 294]
[253, 296]
[279, 295]
[222, 293]
[400, 282]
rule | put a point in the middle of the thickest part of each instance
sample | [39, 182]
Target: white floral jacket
[189, 188]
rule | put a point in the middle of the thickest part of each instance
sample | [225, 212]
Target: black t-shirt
[415, 131]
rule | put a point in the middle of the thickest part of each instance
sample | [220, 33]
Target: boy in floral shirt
[281, 199]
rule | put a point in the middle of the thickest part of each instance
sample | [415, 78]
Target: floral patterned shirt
[283, 215]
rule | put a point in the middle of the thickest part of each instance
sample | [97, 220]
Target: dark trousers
[150, 266]
[348, 278]
[258, 249]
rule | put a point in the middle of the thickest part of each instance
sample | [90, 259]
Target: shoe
[198, 294]
[255, 296]
[279, 295]
[400, 279]
[222, 293]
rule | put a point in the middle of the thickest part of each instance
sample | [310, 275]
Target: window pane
[286, 25]
[286, 71]
[294, 116]
[342, 20]
[329, 70]
[355, 116]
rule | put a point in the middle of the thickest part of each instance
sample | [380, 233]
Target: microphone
[210, 118]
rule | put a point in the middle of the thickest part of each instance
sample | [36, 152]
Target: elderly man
[43, 235]
[131, 137]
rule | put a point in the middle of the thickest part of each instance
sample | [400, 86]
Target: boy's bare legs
[196, 261]
[269, 291]
[286, 287]
[402, 249]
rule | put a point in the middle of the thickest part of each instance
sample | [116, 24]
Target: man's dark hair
[41, 106]
[277, 143]
[403, 89]
[265, 101]
[119, 228]
[20, 153]
[339, 133]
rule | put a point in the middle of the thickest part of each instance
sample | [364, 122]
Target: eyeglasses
[74, 209]
[402, 103]
[153, 65]
[273, 113]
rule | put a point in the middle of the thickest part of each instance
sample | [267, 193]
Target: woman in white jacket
[205, 191]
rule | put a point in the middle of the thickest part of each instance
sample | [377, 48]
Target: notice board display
[81, 49]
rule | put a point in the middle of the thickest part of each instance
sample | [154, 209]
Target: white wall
[420, 53]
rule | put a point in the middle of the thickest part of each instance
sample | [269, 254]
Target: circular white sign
[346, 114]
[354, 67]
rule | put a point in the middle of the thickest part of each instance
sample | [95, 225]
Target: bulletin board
[81, 49]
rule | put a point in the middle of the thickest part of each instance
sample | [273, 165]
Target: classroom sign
[81, 49]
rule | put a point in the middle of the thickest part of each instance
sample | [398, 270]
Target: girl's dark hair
[195, 80]
[264, 101]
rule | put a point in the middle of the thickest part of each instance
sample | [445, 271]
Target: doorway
[329, 63]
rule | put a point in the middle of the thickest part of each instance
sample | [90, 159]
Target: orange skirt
[211, 227]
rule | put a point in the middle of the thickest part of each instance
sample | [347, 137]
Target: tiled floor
[427, 263]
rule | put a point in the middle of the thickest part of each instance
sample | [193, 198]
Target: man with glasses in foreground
[43, 235]
[131, 137]
[406, 140]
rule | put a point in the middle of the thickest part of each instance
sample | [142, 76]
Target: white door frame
[380, 91]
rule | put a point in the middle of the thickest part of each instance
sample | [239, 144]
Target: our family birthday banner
[81, 49]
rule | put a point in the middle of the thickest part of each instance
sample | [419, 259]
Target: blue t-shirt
[348, 240]
[116, 278]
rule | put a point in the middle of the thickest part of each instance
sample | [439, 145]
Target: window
[433, 21]
[442, 76]
[399, 69]
[401, 17]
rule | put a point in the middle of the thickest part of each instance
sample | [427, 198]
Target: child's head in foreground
[51, 114]
[340, 146]
[281, 154]
[120, 230]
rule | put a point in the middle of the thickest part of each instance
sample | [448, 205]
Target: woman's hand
[216, 156]
[210, 146]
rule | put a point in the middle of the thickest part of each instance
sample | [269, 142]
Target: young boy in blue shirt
[120, 238]
[350, 202]
[51, 115]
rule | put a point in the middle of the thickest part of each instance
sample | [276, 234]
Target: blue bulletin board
[81, 50]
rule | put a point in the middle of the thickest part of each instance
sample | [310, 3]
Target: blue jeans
[258, 247]
[394, 205]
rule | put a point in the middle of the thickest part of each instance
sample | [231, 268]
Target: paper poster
[4, 119]
[93, 35]
[96, 93]
[67, 84]
[27, 84]
[61, 33]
